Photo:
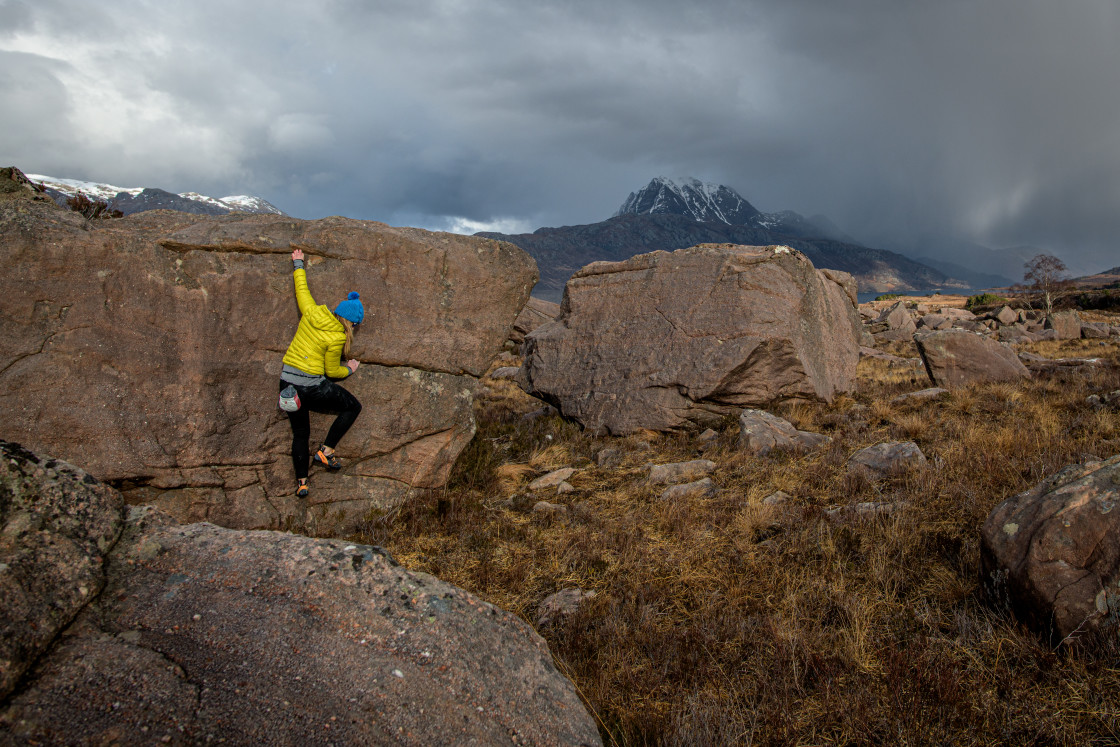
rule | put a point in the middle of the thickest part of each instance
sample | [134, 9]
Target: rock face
[537, 312]
[249, 637]
[147, 349]
[57, 524]
[1053, 552]
[665, 338]
[955, 358]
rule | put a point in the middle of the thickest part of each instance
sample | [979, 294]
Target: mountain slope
[561, 251]
[670, 214]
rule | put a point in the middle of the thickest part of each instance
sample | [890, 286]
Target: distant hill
[131, 200]
[671, 214]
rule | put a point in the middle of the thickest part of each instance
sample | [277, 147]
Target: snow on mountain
[687, 196]
[109, 192]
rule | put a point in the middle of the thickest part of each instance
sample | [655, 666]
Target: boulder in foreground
[1053, 552]
[254, 637]
[664, 339]
[147, 349]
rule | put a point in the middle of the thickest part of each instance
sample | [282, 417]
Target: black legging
[327, 397]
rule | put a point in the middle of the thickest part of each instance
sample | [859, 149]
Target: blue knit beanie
[351, 308]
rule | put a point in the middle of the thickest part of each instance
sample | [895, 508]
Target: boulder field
[119, 626]
[147, 349]
[663, 338]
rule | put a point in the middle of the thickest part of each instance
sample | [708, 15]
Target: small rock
[676, 472]
[777, 498]
[760, 433]
[707, 436]
[506, 372]
[700, 489]
[552, 479]
[608, 457]
[888, 458]
[563, 603]
[549, 510]
[543, 412]
[865, 510]
[565, 487]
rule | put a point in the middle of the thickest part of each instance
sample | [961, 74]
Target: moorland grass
[723, 620]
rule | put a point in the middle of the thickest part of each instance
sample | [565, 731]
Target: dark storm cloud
[994, 119]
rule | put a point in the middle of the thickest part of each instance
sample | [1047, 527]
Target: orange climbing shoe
[330, 461]
[301, 489]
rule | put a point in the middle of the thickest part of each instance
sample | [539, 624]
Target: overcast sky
[996, 120]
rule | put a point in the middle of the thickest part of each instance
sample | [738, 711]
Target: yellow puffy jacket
[317, 346]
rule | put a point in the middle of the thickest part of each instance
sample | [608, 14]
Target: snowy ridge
[688, 196]
[108, 192]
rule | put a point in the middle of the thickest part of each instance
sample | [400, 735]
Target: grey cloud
[992, 119]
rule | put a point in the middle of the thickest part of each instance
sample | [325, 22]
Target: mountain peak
[702, 201]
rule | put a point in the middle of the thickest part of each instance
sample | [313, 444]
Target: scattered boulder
[207, 634]
[1066, 325]
[664, 339]
[760, 433]
[699, 489]
[1053, 552]
[667, 474]
[956, 358]
[888, 458]
[935, 321]
[956, 314]
[556, 607]
[161, 335]
[505, 372]
[552, 479]
[1006, 315]
[1095, 330]
[536, 312]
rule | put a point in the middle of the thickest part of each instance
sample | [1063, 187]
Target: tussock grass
[722, 620]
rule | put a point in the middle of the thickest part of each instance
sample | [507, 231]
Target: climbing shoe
[330, 461]
[301, 489]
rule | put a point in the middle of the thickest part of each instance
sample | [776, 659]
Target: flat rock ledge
[257, 637]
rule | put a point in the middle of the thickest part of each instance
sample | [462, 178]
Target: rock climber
[313, 360]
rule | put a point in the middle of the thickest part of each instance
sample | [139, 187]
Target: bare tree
[1046, 275]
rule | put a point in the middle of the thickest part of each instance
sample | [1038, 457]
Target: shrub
[888, 296]
[984, 299]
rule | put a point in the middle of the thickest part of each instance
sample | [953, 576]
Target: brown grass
[725, 621]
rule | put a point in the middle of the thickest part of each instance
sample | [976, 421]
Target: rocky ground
[820, 582]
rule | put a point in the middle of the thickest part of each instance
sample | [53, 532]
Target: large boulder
[1053, 552]
[204, 634]
[955, 358]
[663, 338]
[147, 350]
